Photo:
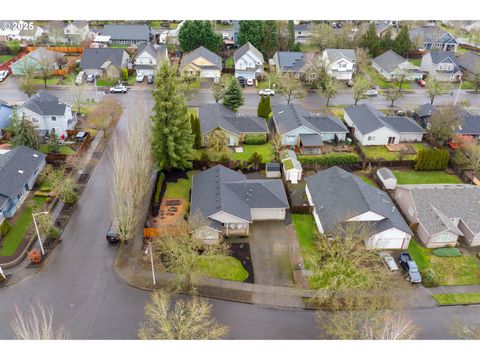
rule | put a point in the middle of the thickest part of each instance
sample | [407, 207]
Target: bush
[204, 157]
[4, 227]
[447, 252]
[255, 139]
[429, 278]
[432, 159]
[330, 159]
[124, 74]
[158, 189]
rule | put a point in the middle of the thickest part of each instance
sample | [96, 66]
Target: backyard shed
[388, 179]
[292, 169]
[272, 170]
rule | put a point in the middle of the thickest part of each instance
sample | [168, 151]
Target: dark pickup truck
[410, 267]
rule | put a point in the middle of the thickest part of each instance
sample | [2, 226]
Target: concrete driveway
[269, 251]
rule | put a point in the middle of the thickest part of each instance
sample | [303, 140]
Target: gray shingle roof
[44, 103]
[425, 110]
[127, 32]
[303, 27]
[21, 159]
[389, 61]
[221, 189]
[469, 123]
[95, 58]
[206, 54]
[244, 49]
[470, 61]
[288, 117]
[436, 204]
[43, 53]
[291, 60]
[431, 34]
[443, 57]
[311, 140]
[337, 54]
[367, 119]
[155, 51]
[339, 195]
[213, 116]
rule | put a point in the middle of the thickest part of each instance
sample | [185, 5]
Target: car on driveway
[411, 268]
[371, 92]
[150, 79]
[266, 92]
[3, 75]
[91, 78]
[389, 261]
[140, 77]
[250, 82]
[119, 88]
[421, 82]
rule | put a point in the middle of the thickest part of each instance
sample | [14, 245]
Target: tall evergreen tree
[264, 108]
[195, 33]
[291, 35]
[24, 132]
[196, 131]
[251, 31]
[172, 137]
[233, 97]
[371, 41]
[270, 38]
[403, 44]
[387, 42]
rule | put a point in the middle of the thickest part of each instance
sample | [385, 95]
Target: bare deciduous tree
[290, 87]
[78, 96]
[217, 142]
[105, 114]
[38, 325]
[443, 123]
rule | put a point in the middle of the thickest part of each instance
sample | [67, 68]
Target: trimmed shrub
[330, 159]
[447, 252]
[429, 278]
[158, 189]
[432, 159]
[255, 139]
[4, 227]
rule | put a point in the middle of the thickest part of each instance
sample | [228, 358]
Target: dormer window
[54, 118]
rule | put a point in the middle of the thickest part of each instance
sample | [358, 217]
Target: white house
[77, 31]
[292, 168]
[248, 62]
[149, 57]
[441, 65]
[47, 112]
[371, 127]
[340, 63]
[338, 196]
[391, 66]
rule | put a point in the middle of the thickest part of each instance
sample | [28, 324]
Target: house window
[312, 76]
[371, 138]
[35, 120]
[343, 66]
[151, 61]
[54, 118]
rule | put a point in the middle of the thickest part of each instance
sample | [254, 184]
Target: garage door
[389, 243]
[268, 214]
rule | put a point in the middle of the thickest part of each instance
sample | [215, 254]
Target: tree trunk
[356, 100]
[328, 101]
[391, 104]
[431, 99]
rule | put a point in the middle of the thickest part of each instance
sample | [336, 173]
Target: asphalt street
[80, 285]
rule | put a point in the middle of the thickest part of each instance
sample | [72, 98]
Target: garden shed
[388, 179]
[272, 170]
[292, 169]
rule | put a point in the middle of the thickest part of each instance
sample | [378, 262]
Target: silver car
[389, 261]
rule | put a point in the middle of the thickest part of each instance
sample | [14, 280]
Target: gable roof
[292, 60]
[339, 195]
[246, 48]
[288, 117]
[469, 124]
[303, 27]
[136, 32]
[439, 57]
[95, 58]
[222, 189]
[431, 34]
[337, 54]
[206, 54]
[44, 103]
[389, 61]
[43, 53]
[437, 204]
[470, 61]
[367, 119]
[154, 51]
[21, 159]
[213, 116]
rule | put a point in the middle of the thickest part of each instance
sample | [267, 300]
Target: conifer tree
[24, 132]
[233, 97]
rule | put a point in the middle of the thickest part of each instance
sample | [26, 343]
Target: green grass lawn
[266, 150]
[64, 149]
[425, 177]
[306, 232]
[181, 188]
[229, 64]
[416, 62]
[103, 82]
[381, 82]
[468, 85]
[5, 58]
[223, 267]
[375, 152]
[461, 270]
[457, 299]
[18, 230]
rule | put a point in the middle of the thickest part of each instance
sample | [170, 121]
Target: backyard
[63, 149]
[375, 152]
[181, 188]
[425, 177]
[265, 150]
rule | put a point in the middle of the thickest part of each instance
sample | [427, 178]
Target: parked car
[91, 78]
[389, 261]
[119, 88]
[241, 81]
[81, 77]
[421, 82]
[140, 77]
[150, 79]
[266, 92]
[339, 25]
[410, 266]
[333, 25]
[113, 235]
[250, 82]
[3, 74]
[226, 36]
[371, 92]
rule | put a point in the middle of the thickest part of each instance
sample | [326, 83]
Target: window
[54, 118]
[371, 138]
[35, 120]
[312, 76]
[342, 65]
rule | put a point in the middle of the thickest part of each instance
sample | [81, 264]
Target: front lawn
[452, 270]
[17, 232]
[5, 58]
[181, 188]
[416, 62]
[63, 149]
[306, 233]
[457, 299]
[265, 150]
[425, 177]
[104, 82]
[222, 267]
[381, 82]
[468, 85]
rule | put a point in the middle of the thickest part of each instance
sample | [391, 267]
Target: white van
[81, 77]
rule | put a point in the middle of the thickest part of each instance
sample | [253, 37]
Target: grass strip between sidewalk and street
[457, 299]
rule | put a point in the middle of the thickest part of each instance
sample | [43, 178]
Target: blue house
[5, 113]
[19, 169]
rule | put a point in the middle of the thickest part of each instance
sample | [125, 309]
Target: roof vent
[20, 171]
[35, 155]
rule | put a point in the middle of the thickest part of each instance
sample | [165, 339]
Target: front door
[391, 140]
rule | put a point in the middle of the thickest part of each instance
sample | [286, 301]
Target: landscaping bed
[457, 299]
[425, 177]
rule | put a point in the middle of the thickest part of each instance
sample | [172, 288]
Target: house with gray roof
[248, 62]
[391, 66]
[340, 63]
[442, 213]
[441, 65]
[470, 64]
[37, 59]
[303, 33]
[235, 126]
[338, 196]
[302, 64]
[203, 63]
[430, 37]
[231, 202]
[306, 130]
[128, 34]
[372, 127]
[149, 57]
[47, 112]
[19, 169]
[104, 62]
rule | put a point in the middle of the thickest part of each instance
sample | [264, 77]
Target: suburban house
[47, 112]
[149, 57]
[433, 38]
[31, 35]
[385, 27]
[391, 66]
[338, 196]
[301, 64]
[104, 62]
[248, 62]
[470, 64]
[235, 126]
[340, 63]
[19, 169]
[372, 127]
[37, 59]
[232, 202]
[5, 113]
[128, 34]
[76, 31]
[304, 130]
[441, 65]
[303, 33]
[202, 62]
[442, 214]
[292, 168]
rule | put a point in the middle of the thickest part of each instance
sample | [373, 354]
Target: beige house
[203, 63]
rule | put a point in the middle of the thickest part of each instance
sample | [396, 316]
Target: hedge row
[255, 139]
[447, 252]
[432, 159]
[330, 159]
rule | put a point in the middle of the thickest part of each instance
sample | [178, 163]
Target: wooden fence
[62, 49]
[57, 158]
